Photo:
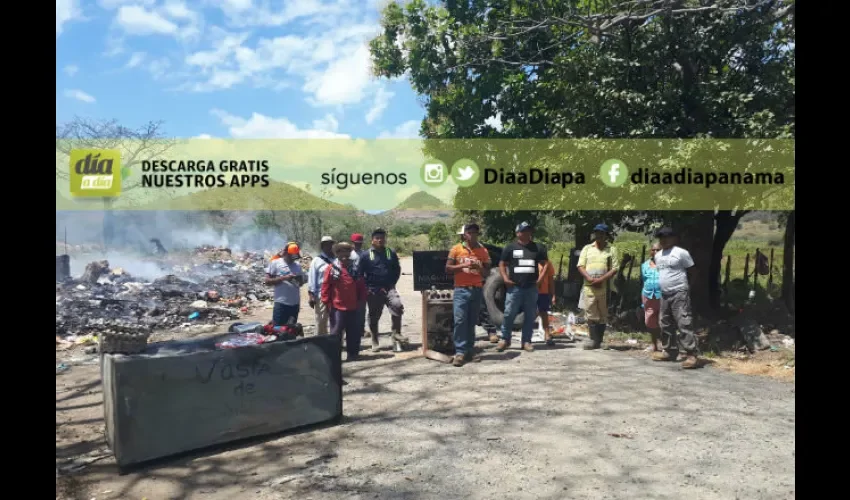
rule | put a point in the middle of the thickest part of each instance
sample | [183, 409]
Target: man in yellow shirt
[598, 263]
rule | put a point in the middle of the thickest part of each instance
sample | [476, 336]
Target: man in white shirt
[287, 278]
[314, 285]
[674, 264]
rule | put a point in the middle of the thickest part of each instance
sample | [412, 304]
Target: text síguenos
[341, 180]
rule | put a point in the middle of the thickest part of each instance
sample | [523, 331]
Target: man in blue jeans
[287, 278]
[519, 267]
[469, 261]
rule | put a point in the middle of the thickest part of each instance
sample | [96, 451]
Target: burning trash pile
[215, 286]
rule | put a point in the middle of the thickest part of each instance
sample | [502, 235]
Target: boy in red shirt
[344, 292]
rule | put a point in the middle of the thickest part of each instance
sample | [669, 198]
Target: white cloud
[263, 127]
[382, 100]
[79, 95]
[334, 67]
[203, 136]
[345, 80]
[136, 20]
[71, 70]
[242, 13]
[136, 59]
[114, 4]
[328, 123]
[407, 130]
[66, 11]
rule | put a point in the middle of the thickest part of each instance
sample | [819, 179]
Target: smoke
[124, 237]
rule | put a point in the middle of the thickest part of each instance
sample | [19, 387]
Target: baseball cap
[466, 227]
[326, 239]
[357, 237]
[523, 226]
[601, 228]
[665, 231]
[293, 249]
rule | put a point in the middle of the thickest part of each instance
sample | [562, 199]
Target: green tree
[438, 236]
[603, 69]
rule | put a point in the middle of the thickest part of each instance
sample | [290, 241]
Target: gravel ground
[556, 423]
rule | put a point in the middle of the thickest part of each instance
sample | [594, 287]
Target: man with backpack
[314, 285]
[381, 270]
[343, 291]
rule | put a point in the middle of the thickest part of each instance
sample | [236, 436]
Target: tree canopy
[616, 69]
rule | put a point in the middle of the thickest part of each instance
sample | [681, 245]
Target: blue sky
[229, 68]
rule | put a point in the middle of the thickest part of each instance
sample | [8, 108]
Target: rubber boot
[595, 332]
[591, 337]
[601, 335]
[376, 346]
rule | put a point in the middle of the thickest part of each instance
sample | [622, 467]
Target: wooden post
[770, 271]
[756, 270]
[643, 254]
[747, 270]
[424, 321]
[728, 272]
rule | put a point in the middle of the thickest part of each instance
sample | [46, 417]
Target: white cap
[327, 238]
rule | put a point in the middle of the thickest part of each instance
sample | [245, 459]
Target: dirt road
[556, 423]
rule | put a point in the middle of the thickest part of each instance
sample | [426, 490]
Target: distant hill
[422, 201]
[422, 207]
[276, 196]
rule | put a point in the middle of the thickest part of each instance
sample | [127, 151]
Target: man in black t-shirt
[519, 268]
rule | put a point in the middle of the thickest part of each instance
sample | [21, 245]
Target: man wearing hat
[286, 276]
[381, 269]
[519, 267]
[469, 262]
[674, 263]
[315, 276]
[598, 263]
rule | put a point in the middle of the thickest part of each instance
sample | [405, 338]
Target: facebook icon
[614, 173]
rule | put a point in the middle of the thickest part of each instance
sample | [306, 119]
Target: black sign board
[429, 271]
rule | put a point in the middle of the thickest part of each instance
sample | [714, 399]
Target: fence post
[643, 254]
[770, 272]
[728, 272]
[756, 270]
[747, 270]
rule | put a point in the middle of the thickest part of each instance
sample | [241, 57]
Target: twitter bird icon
[465, 173]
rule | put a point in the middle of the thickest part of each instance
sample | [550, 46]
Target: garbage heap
[214, 285]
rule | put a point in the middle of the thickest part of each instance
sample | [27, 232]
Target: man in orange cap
[287, 278]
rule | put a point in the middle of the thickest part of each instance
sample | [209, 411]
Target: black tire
[494, 300]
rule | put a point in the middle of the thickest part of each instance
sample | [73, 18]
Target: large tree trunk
[726, 223]
[696, 231]
[788, 262]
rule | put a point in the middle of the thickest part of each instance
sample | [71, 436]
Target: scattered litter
[618, 435]
[241, 340]
[194, 315]
[788, 342]
[632, 341]
[61, 367]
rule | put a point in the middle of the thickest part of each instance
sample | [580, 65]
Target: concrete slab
[182, 396]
